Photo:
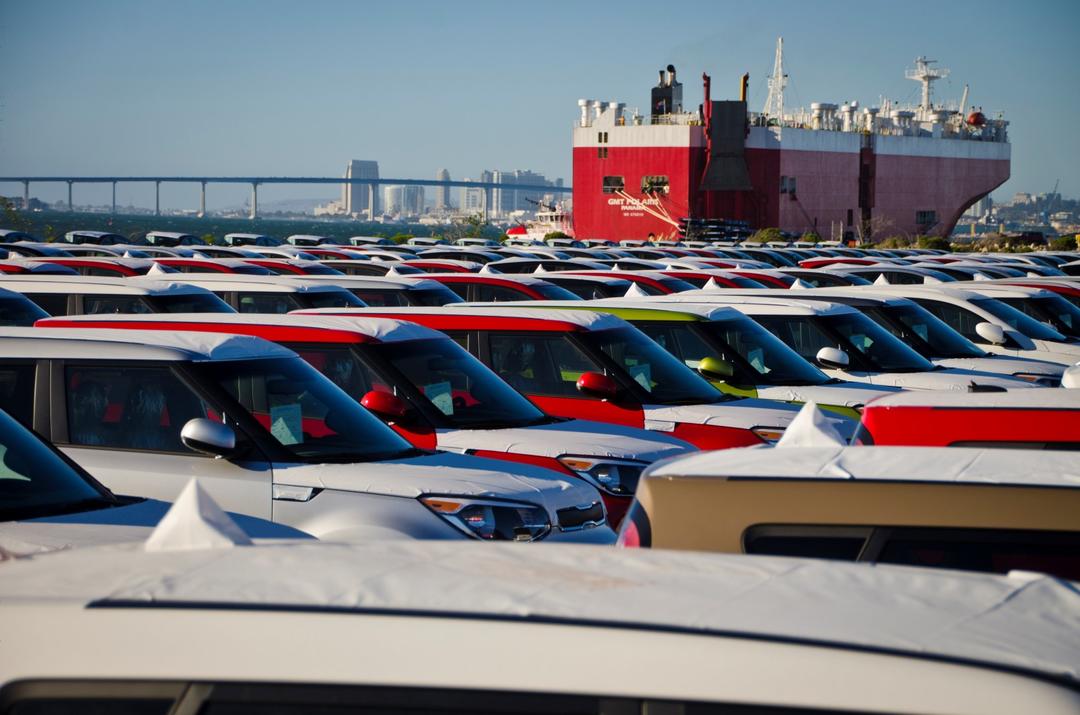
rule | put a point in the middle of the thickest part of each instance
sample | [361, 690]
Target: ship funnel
[597, 107]
[671, 76]
[667, 95]
[583, 104]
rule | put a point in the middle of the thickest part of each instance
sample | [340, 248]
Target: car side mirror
[595, 384]
[993, 334]
[833, 358]
[714, 368]
[386, 405]
[208, 437]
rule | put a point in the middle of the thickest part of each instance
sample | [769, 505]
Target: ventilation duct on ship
[667, 94]
[726, 170]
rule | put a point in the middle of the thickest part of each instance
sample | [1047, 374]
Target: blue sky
[269, 87]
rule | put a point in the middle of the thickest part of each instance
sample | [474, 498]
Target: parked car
[435, 394]
[1025, 419]
[578, 363]
[276, 629]
[269, 436]
[48, 502]
[847, 345]
[962, 508]
[488, 288]
[271, 294]
[79, 295]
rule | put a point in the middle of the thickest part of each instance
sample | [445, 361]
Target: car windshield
[920, 329]
[457, 388]
[659, 373]
[35, 481]
[189, 303]
[869, 346]
[750, 345]
[432, 296]
[305, 412]
[1018, 321]
[677, 285]
[17, 310]
[1053, 309]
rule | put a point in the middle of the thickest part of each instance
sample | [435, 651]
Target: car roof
[95, 343]
[457, 312]
[1020, 467]
[997, 621]
[260, 284]
[630, 309]
[757, 302]
[136, 285]
[385, 330]
[1039, 398]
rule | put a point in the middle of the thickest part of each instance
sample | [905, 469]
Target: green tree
[810, 237]
[767, 234]
[555, 234]
[1065, 243]
[400, 237]
[12, 218]
[934, 242]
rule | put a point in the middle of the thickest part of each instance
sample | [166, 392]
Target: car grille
[573, 518]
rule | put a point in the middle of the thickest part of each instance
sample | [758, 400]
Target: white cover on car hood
[573, 437]
[947, 379]
[1003, 365]
[1031, 623]
[443, 473]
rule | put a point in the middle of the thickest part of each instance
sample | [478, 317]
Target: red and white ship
[840, 171]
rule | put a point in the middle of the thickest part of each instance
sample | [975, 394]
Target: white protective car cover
[445, 474]
[1027, 622]
[573, 437]
[1004, 365]
[745, 413]
[944, 379]
[848, 394]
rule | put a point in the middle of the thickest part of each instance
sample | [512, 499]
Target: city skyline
[215, 94]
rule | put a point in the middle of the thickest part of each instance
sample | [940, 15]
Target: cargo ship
[840, 171]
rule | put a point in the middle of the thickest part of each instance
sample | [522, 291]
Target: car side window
[959, 319]
[273, 303]
[51, 303]
[96, 304]
[540, 364]
[126, 407]
[494, 294]
[17, 390]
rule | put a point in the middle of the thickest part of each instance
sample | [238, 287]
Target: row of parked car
[917, 425]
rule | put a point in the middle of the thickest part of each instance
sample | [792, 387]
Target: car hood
[129, 523]
[739, 414]
[944, 379]
[847, 394]
[446, 474]
[576, 437]
[1003, 365]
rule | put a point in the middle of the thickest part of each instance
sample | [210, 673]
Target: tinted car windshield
[1060, 313]
[433, 295]
[919, 328]
[17, 310]
[554, 292]
[772, 362]
[189, 303]
[869, 346]
[660, 374]
[463, 391]
[36, 482]
[1018, 321]
[329, 299]
[305, 412]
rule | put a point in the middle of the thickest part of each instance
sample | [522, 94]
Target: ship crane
[926, 75]
[774, 103]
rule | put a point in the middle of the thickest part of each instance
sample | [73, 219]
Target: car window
[488, 293]
[959, 319]
[129, 407]
[547, 364]
[274, 303]
[51, 303]
[380, 298]
[17, 390]
[17, 310]
[96, 304]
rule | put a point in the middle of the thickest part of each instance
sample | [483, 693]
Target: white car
[399, 626]
[79, 295]
[848, 345]
[925, 333]
[991, 324]
[269, 436]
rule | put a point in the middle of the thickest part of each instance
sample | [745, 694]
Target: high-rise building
[355, 197]
[405, 200]
[442, 193]
[506, 201]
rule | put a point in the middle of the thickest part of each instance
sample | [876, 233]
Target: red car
[1041, 418]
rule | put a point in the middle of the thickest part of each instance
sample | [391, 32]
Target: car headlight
[613, 476]
[771, 435]
[1040, 380]
[491, 519]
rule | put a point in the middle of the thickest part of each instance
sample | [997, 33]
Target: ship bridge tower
[927, 75]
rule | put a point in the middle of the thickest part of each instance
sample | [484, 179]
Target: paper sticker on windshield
[286, 424]
[756, 358]
[441, 395]
[643, 375]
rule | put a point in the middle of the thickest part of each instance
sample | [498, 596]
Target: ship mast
[774, 104]
[926, 75]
